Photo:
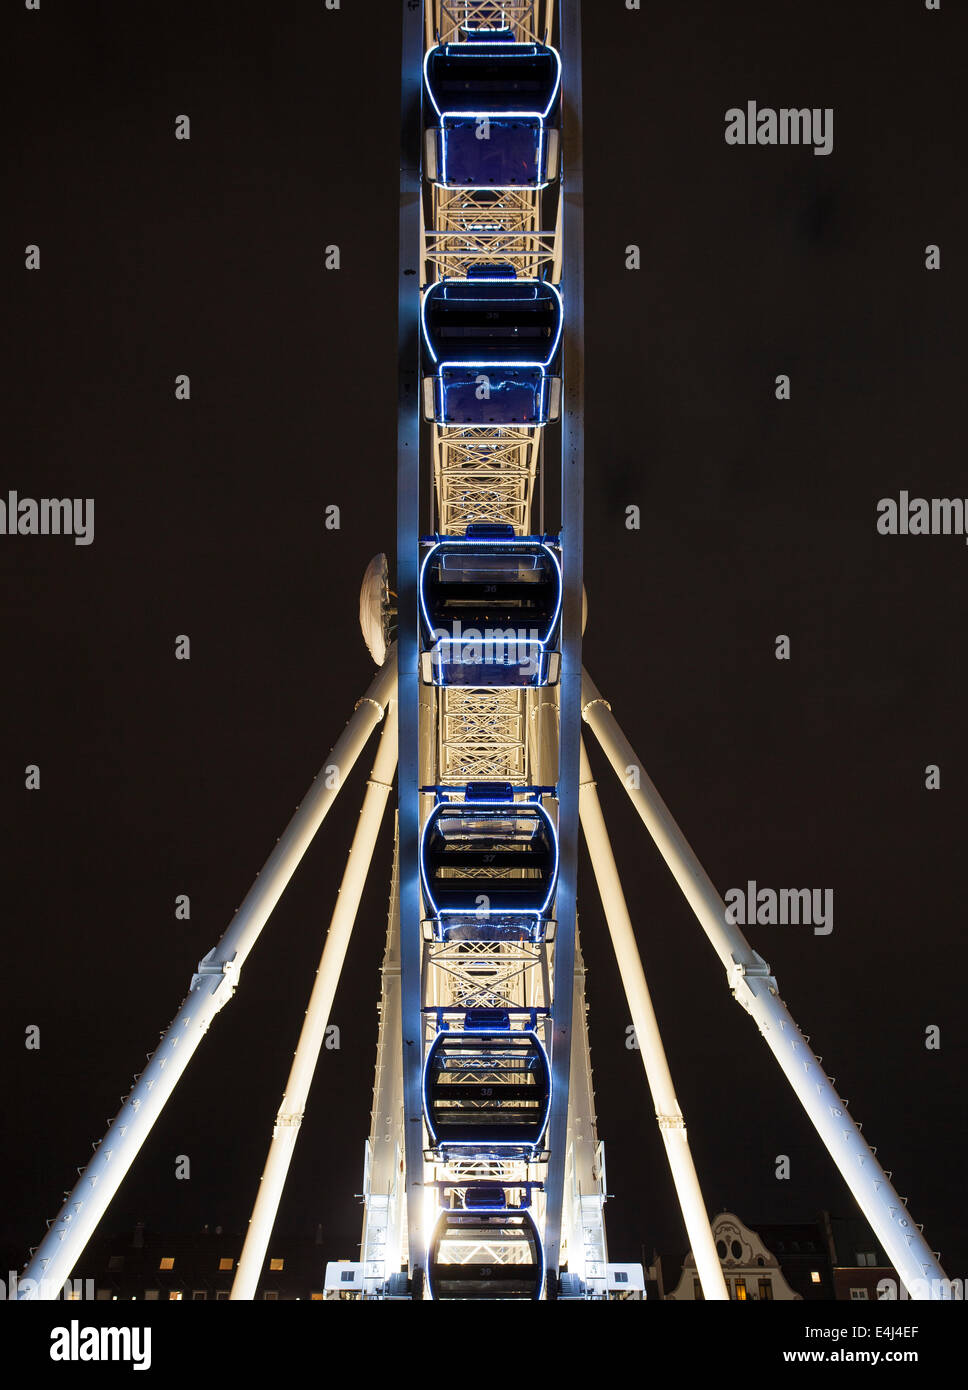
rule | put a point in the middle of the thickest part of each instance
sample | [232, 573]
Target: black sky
[161, 777]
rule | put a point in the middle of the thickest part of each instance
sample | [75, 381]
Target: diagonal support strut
[212, 987]
[672, 1126]
[289, 1118]
[754, 987]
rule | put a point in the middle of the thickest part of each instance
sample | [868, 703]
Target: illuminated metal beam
[572, 519]
[754, 987]
[290, 1114]
[672, 1126]
[383, 1248]
[408, 535]
[211, 988]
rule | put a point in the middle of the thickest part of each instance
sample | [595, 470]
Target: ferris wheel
[484, 1174]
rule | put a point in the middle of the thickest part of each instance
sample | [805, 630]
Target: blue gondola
[489, 865]
[490, 605]
[495, 105]
[485, 1250]
[487, 1089]
[491, 347]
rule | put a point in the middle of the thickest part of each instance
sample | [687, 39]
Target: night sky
[160, 777]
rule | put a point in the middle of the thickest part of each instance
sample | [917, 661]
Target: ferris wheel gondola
[494, 102]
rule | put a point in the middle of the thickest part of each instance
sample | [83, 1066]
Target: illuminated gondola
[487, 1088]
[491, 347]
[485, 1249]
[489, 865]
[490, 604]
[494, 102]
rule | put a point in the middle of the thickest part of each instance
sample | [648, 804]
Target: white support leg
[290, 1114]
[672, 1126]
[755, 988]
[212, 987]
[383, 1248]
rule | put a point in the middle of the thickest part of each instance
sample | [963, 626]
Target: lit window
[815, 1276]
[316, 1297]
[276, 1264]
[766, 1290]
[741, 1290]
[226, 1262]
[167, 1262]
[175, 1296]
[73, 1296]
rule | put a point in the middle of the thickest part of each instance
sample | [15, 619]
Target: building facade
[832, 1258]
[752, 1272]
[199, 1266]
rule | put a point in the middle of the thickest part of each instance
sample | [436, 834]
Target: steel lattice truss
[484, 474]
[488, 974]
[516, 227]
[483, 736]
[491, 474]
[452, 253]
[493, 1252]
[530, 20]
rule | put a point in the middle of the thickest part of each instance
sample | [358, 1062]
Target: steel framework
[468, 989]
